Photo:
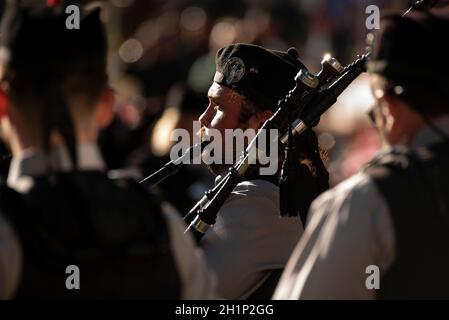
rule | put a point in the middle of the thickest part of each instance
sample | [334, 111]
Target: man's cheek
[218, 122]
[220, 125]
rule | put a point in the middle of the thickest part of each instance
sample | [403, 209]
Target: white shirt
[349, 228]
[249, 239]
[196, 281]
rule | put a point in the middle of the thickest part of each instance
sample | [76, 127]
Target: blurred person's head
[410, 73]
[53, 80]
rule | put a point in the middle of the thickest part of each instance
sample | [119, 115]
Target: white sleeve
[10, 260]
[249, 239]
[349, 229]
[197, 282]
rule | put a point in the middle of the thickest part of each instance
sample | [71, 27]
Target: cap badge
[234, 70]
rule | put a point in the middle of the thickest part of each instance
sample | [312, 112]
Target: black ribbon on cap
[299, 184]
[289, 182]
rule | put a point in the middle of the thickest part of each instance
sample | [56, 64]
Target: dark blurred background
[161, 63]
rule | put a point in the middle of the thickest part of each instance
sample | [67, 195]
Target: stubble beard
[215, 168]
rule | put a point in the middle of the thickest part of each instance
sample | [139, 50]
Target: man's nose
[206, 117]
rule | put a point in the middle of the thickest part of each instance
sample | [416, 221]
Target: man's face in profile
[223, 112]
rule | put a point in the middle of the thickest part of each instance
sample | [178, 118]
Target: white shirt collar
[33, 162]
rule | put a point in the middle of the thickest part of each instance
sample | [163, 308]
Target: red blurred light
[53, 3]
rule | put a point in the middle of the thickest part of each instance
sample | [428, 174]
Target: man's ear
[390, 106]
[104, 112]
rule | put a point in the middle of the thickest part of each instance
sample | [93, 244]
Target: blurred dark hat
[413, 50]
[262, 75]
[36, 41]
[35, 37]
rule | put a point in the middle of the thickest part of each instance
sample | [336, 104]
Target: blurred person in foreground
[383, 233]
[250, 241]
[59, 207]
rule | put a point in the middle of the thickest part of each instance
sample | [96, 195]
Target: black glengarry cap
[262, 75]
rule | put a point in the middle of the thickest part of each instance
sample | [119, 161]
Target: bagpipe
[297, 112]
